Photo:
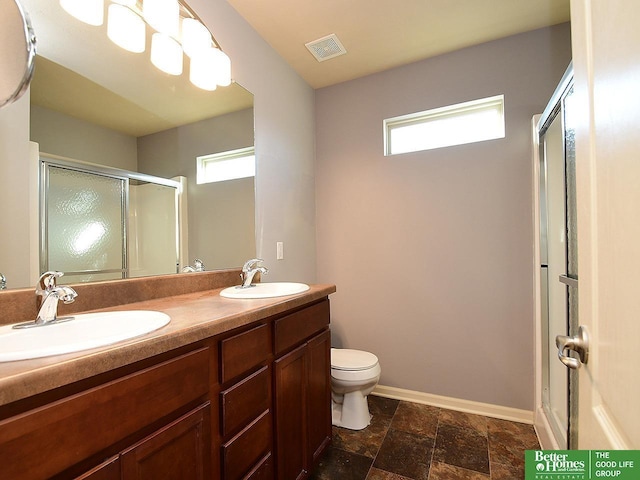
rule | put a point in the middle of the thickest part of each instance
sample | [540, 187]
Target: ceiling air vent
[326, 47]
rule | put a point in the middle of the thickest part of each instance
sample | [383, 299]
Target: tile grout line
[382, 442]
[435, 439]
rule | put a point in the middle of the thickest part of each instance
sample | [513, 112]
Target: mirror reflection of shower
[101, 223]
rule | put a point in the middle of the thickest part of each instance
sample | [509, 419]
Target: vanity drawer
[295, 328]
[246, 449]
[242, 352]
[55, 436]
[263, 470]
[245, 401]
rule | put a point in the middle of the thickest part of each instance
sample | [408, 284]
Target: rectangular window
[229, 165]
[467, 122]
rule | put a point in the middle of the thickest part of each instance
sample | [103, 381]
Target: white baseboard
[467, 406]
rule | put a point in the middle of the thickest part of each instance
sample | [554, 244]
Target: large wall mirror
[94, 102]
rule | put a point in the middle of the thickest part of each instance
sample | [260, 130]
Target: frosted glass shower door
[153, 228]
[559, 269]
[556, 378]
[84, 224]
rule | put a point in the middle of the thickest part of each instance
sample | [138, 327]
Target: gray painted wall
[61, 134]
[285, 144]
[14, 193]
[221, 214]
[432, 251]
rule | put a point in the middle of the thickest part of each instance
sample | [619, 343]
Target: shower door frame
[46, 159]
[542, 423]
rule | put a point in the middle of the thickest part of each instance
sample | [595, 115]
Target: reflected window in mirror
[223, 166]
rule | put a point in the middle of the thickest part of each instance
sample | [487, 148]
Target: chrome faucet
[51, 293]
[249, 271]
[198, 266]
[3, 282]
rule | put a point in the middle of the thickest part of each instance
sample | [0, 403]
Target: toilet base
[352, 413]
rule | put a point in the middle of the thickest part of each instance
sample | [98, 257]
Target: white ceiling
[377, 34]
[382, 34]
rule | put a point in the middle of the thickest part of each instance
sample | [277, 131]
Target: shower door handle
[567, 280]
[578, 343]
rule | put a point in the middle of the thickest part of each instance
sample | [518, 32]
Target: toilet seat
[352, 360]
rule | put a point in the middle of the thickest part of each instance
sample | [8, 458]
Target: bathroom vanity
[230, 389]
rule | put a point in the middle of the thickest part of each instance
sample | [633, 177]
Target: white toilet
[354, 374]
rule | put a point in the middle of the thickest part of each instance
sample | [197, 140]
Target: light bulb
[223, 67]
[87, 11]
[126, 29]
[195, 36]
[202, 71]
[166, 54]
[163, 15]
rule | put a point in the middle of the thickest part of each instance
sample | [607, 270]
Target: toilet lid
[345, 359]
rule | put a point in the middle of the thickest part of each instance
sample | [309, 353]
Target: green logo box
[582, 464]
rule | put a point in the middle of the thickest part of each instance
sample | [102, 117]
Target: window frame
[203, 160]
[441, 113]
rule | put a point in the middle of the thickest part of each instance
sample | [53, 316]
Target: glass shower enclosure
[101, 223]
[558, 259]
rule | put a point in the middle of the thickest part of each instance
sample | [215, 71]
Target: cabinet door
[178, 451]
[318, 395]
[290, 373]
[109, 470]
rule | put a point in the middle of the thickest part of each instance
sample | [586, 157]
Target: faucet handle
[198, 265]
[47, 281]
[67, 294]
[250, 264]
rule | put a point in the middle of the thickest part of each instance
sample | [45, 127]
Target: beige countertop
[194, 317]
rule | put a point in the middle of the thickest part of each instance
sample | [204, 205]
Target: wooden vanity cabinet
[89, 424]
[246, 422]
[108, 470]
[302, 390]
[177, 451]
[275, 399]
[250, 404]
[319, 428]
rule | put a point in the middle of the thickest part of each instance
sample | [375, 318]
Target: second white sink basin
[85, 331]
[265, 290]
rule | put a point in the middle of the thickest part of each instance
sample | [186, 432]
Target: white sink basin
[265, 290]
[85, 331]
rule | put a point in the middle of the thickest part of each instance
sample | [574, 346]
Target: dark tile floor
[409, 441]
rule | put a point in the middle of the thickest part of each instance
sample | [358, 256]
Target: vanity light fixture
[195, 37]
[209, 68]
[178, 31]
[162, 15]
[87, 11]
[126, 29]
[166, 53]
